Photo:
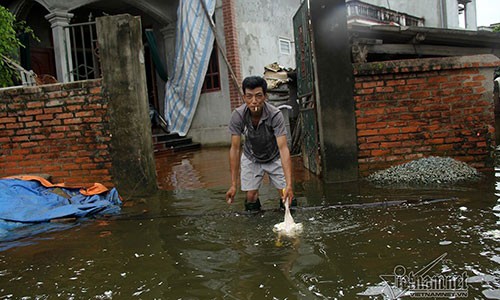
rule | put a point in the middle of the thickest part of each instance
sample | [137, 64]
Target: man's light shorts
[252, 174]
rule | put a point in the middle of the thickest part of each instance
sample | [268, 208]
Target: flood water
[185, 242]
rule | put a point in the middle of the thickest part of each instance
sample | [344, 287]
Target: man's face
[254, 99]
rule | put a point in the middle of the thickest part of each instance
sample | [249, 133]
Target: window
[285, 46]
[212, 78]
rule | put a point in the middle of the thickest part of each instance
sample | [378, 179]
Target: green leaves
[9, 44]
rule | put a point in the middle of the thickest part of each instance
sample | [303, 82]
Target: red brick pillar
[233, 56]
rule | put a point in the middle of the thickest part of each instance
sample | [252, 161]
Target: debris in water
[492, 294]
[493, 234]
[481, 279]
[445, 243]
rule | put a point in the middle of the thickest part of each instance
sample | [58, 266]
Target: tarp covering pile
[194, 43]
[33, 200]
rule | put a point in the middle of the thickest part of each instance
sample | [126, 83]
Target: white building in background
[451, 14]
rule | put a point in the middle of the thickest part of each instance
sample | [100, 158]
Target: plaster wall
[260, 24]
[209, 126]
[437, 13]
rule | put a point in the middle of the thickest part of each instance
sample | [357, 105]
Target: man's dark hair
[252, 82]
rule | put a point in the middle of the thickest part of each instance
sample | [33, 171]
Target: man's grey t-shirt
[260, 141]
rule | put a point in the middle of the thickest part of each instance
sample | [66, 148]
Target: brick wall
[59, 129]
[409, 109]
[232, 52]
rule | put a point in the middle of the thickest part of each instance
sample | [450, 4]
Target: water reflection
[193, 170]
[186, 243]
[489, 278]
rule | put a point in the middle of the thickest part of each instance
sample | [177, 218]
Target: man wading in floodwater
[265, 149]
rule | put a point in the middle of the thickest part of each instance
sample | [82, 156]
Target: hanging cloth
[194, 43]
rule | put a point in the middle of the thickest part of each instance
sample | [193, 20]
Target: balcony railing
[380, 14]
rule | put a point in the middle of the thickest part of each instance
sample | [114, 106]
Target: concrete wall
[437, 13]
[209, 126]
[124, 81]
[429, 9]
[260, 23]
[409, 109]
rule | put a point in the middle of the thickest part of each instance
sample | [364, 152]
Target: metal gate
[305, 88]
[83, 51]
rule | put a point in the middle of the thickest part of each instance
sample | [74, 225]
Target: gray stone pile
[427, 171]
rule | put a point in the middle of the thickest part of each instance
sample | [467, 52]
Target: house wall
[408, 109]
[60, 129]
[437, 13]
[209, 126]
[260, 23]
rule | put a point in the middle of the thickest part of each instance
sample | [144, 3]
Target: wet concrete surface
[185, 242]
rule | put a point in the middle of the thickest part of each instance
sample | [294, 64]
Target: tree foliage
[9, 45]
[496, 28]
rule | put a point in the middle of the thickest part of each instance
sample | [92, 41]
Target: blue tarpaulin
[27, 202]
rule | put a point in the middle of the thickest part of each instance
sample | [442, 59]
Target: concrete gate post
[334, 82]
[62, 46]
[124, 82]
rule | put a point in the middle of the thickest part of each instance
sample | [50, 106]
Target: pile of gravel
[430, 170]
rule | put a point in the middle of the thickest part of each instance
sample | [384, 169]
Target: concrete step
[162, 137]
[171, 142]
[179, 148]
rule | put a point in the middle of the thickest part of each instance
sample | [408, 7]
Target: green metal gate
[305, 88]
[303, 51]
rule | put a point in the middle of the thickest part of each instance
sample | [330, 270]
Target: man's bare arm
[286, 162]
[234, 164]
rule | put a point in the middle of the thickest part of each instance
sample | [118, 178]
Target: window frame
[212, 82]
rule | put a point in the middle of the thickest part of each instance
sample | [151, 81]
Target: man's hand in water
[230, 194]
